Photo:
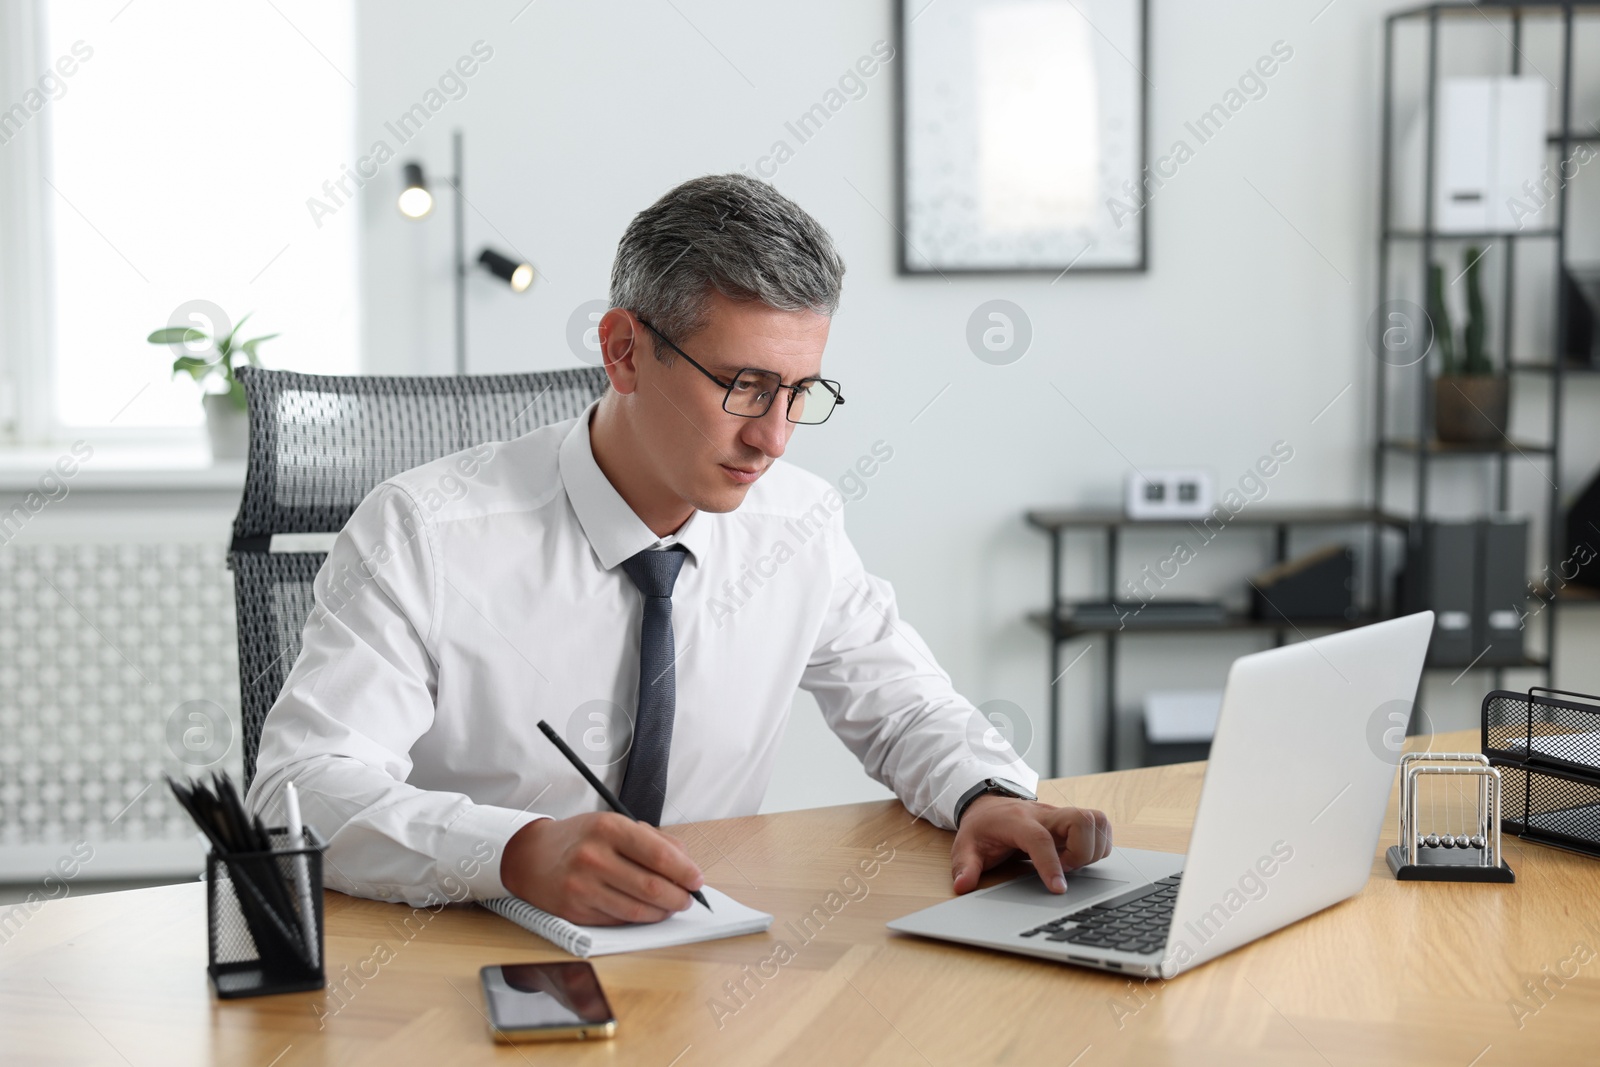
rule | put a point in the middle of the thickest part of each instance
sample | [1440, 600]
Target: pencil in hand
[600, 787]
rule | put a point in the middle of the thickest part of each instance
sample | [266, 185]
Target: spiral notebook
[728, 918]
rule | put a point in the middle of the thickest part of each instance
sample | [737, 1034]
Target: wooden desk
[1405, 973]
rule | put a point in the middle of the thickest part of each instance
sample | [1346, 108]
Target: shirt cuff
[473, 847]
[969, 774]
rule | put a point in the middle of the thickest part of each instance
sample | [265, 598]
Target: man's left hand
[1058, 840]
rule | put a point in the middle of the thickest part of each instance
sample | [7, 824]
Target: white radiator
[118, 663]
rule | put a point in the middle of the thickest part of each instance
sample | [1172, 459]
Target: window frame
[30, 212]
[27, 344]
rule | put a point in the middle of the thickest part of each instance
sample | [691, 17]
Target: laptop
[1301, 768]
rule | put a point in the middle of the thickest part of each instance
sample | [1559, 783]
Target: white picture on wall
[1022, 135]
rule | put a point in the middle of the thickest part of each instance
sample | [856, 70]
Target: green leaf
[249, 348]
[235, 330]
[173, 335]
[198, 369]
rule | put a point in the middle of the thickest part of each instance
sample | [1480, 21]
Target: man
[582, 574]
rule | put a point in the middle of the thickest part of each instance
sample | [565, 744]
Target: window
[177, 156]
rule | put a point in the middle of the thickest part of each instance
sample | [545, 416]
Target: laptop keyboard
[1133, 922]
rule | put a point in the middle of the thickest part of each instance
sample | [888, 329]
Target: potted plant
[227, 421]
[1471, 403]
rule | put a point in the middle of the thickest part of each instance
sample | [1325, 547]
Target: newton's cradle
[1464, 846]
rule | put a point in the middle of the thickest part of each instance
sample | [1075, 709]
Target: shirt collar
[614, 531]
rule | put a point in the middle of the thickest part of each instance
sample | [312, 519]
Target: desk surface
[1404, 973]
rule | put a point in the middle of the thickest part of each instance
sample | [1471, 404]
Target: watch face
[1014, 789]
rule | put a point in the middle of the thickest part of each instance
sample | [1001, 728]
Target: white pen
[302, 875]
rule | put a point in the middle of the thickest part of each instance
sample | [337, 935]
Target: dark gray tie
[644, 783]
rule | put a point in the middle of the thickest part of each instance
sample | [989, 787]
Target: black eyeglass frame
[794, 390]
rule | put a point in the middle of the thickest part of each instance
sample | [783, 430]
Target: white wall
[1249, 322]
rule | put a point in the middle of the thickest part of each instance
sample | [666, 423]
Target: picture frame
[979, 191]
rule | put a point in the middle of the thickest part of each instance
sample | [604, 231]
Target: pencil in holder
[264, 918]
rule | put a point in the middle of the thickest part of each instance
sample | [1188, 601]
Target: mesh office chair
[318, 446]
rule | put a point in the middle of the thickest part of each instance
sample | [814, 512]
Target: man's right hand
[600, 869]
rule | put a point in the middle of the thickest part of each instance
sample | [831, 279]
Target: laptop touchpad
[1030, 890]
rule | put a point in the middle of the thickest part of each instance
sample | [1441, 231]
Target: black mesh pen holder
[256, 918]
[1546, 743]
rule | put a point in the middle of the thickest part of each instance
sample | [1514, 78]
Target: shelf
[1549, 368]
[1474, 9]
[1067, 629]
[1568, 594]
[1053, 519]
[1526, 663]
[1486, 235]
[1441, 448]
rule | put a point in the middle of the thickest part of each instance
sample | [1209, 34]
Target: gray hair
[727, 232]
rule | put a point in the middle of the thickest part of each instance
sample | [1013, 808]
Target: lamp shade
[415, 200]
[515, 274]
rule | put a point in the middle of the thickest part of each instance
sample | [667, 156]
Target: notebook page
[728, 918]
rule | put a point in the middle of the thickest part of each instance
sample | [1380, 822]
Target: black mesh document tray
[1546, 743]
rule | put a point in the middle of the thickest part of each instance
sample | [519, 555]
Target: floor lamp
[416, 202]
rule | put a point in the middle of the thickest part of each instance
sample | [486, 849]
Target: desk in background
[1419, 973]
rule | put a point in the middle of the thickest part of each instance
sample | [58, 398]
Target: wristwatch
[1001, 786]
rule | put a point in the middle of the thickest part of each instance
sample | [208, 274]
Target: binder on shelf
[1582, 307]
[1443, 576]
[1315, 587]
[1502, 592]
[1472, 574]
[1581, 564]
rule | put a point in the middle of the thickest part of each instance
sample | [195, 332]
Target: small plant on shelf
[1471, 401]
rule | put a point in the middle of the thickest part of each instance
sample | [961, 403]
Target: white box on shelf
[1169, 494]
[1491, 155]
[1179, 716]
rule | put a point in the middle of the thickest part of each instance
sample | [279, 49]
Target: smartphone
[546, 1002]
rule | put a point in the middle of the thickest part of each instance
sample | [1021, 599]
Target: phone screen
[538, 996]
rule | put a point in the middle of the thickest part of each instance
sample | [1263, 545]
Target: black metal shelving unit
[1057, 622]
[1421, 449]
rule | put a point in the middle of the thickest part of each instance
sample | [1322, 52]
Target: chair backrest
[318, 446]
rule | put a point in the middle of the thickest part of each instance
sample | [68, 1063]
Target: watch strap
[988, 785]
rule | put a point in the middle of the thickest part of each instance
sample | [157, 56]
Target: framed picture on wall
[1022, 135]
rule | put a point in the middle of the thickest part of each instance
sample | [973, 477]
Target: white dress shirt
[471, 597]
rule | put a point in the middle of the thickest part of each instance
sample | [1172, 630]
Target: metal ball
[1478, 841]
[1432, 841]
[1447, 841]
[1462, 841]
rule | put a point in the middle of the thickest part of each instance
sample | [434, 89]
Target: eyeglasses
[750, 394]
